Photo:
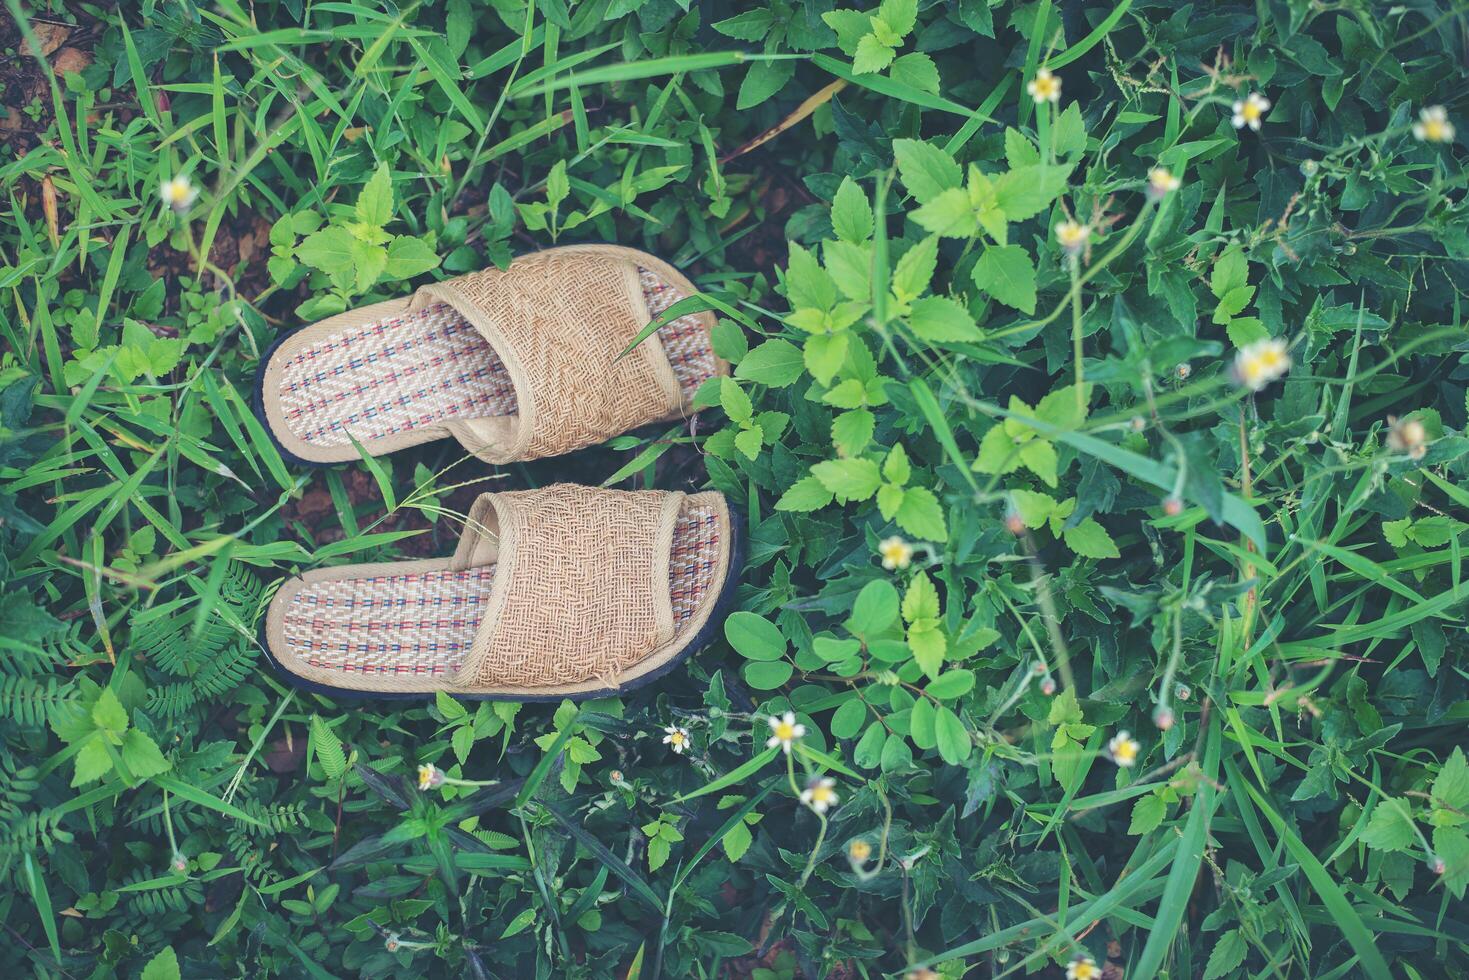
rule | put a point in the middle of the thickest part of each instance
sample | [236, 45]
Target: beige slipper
[565, 591]
[516, 365]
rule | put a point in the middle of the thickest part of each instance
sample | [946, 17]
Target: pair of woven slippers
[564, 591]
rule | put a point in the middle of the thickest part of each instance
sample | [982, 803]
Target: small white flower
[859, 851]
[1124, 749]
[1258, 364]
[820, 794]
[676, 737]
[430, 777]
[1162, 182]
[1407, 436]
[1073, 235]
[783, 731]
[178, 193]
[1433, 125]
[896, 553]
[1082, 968]
[1044, 87]
[1251, 111]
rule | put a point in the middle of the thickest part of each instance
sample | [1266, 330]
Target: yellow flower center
[822, 794]
[1433, 131]
[1086, 971]
[1045, 87]
[1125, 752]
[1271, 359]
[860, 850]
[785, 731]
[677, 738]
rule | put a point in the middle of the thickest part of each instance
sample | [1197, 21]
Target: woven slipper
[566, 591]
[516, 365]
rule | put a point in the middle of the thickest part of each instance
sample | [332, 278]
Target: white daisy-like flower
[1433, 125]
[785, 730]
[1083, 968]
[1124, 749]
[820, 794]
[430, 777]
[1250, 111]
[1044, 87]
[178, 193]
[1161, 183]
[1073, 235]
[1258, 364]
[676, 737]
[896, 553]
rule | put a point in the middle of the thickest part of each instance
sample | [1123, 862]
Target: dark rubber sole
[722, 608]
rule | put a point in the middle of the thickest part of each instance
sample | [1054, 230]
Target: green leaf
[921, 600]
[1229, 273]
[895, 468]
[1228, 953]
[851, 213]
[375, 203]
[848, 479]
[949, 213]
[929, 645]
[1039, 456]
[163, 966]
[805, 495]
[824, 355]
[776, 363]
[1391, 826]
[1451, 785]
[1007, 273]
[921, 515]
[748, 441]
[328, 746]
[872, 55]
[875, 609]
[899, 15]
[108, 713]
[92, 761]
[1034, 508]
[917, 70]
[848, 720]
[1027, 191]
[734, 401]
[762, 81]
[926, 170]
[915, 269]
[768, 675]
[852, 431]
[954, 742]
[408, 257]
[141, 756]
[1245, 330]
[1147, 814]
[754, 637]
[1090, 540]
[329, 250]
[939, 319]
[951, 684]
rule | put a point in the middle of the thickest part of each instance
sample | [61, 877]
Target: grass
[1111, 523]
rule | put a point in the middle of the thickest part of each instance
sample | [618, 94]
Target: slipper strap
[559, 321]
[581, 587]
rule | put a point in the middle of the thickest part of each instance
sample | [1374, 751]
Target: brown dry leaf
[51, 36]
[70, 60]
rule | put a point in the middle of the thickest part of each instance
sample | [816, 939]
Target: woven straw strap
[581, 586]
[559, 320]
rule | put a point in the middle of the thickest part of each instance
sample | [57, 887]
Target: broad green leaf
[925, 170]
[1007, 273]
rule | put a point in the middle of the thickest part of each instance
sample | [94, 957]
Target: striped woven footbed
[431, 366]
[423, 624]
